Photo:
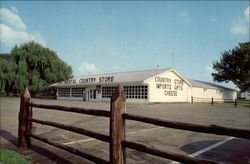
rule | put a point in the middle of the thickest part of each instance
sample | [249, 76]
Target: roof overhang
[56, 85]
[175, 72]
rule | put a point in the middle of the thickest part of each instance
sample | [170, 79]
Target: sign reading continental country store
[103, 79]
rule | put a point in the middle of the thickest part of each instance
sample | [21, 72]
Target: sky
[119, 36]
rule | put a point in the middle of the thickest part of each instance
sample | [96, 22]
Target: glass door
[92, 94]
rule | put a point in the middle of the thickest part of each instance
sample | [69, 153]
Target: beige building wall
[200, 92]
[168, 87]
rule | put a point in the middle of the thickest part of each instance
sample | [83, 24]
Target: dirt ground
[232, 151]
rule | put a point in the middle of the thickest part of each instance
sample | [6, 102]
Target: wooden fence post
[24, 125]
[212, 101]
[117, 127]
[235, 103]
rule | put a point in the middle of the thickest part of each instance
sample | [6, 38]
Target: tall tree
[35, 67]
[8, 74]
[234, 65]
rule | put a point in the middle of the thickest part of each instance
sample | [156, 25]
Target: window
[107, 92]
[64, 92]
[131, 92]
[136, 92]
[77, 92]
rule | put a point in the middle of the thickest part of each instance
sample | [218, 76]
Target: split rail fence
[116, 138]
[213, 101]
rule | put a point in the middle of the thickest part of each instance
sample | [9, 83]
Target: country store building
[158, 85]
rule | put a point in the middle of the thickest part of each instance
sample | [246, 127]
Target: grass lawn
[11, 157]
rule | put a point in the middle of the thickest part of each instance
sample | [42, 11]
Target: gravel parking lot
[232, 150]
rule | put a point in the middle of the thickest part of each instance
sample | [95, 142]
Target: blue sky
[103, 37]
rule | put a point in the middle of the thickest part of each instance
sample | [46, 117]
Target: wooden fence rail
[25, 126]
[213, 100]
[82, 131]
[93, 112]
[212, 129]
[116, 139]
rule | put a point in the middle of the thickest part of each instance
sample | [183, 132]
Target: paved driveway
[207, 146]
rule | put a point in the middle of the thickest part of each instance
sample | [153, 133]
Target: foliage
[234, 65]
[11, 157]
[8, 74]
[32, 65]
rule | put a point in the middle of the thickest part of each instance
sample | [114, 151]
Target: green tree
[32, 66]
[234, 65]
[8, 70]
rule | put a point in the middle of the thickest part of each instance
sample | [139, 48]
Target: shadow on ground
[34, 149]
[234, 151]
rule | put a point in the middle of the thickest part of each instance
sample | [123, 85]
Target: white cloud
[247, 13]
[13, 30]
[87, 68]
[11, 19]
[240, 24]
[209, 70]
[115, 67]
[186, 16]
[14, 9]
[239, 28]
[10, 37]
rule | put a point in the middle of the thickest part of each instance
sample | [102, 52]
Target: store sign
[170, 87]
[106, 79]
[71, 81]
[87, 80]
[103, 79]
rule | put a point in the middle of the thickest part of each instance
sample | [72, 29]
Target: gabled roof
[203, 84]
[121, 77]
[136, 76]
[175, 72]
[130, 77]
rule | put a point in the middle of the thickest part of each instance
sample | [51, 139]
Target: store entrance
[92, 94]
[84, 95]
